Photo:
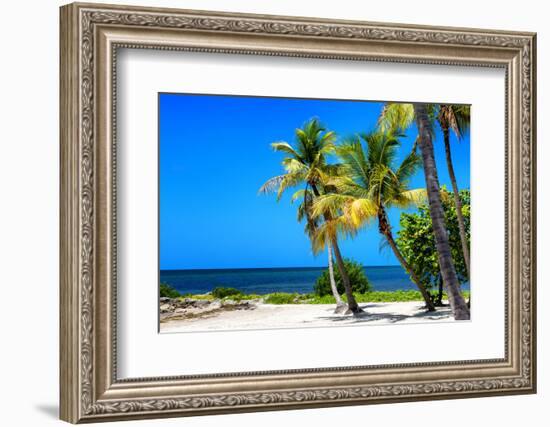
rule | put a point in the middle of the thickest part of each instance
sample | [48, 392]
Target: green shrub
[281, 298]
[168, 291]
[221, 292]
[417, 243]
[357, 277]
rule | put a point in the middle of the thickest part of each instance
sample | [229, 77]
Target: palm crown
[371, 179]
[306, 161]
[454, 117]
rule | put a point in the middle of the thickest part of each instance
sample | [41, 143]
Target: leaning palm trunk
[448, 272]
[458, 203]
[340, 305]
[385, 230]
[352, 303]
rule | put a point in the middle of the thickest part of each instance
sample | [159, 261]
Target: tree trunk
[439, 301]
[352, 304]
[385, 230]
[458, 203]
[448, 272]
[340, 305]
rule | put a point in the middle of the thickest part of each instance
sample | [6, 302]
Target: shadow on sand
[366, 317]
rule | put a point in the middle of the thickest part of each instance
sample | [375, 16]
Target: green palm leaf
[409, 198]
[396, 117]
[285, 147]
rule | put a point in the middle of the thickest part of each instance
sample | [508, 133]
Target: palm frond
[455, 118]
[409, 166]
[345, 185]
[354, 159]
[293, 165]
[382, 147]
[323, 235]
[330, 230]
[285, 147]
[396, 117]
[271, 185]
[327, 141]
[298, 195]
[460, 120]
[361, 211]
[330, 203]
[289, 180]
[410, 198]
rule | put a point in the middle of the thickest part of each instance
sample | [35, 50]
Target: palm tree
[398, 117]
[372, 184]
[312, 225]
[334, 224]
[425, 131]
[457, 119]
[306, 163]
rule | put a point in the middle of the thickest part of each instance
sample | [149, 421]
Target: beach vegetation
[416, 242]
[168, 291]
[222, 292]
[284, 298]
[358, 279]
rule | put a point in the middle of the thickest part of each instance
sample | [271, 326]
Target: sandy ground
[268, 316]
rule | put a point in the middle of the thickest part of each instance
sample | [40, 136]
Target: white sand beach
[269, 316]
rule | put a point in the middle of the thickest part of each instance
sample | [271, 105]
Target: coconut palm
[425, 132]
[306, 164]
[457, 119]
[334, 225]
[312, 225]
[371, 184]
[398, 117]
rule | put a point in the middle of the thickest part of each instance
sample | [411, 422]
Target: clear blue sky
[215, 154]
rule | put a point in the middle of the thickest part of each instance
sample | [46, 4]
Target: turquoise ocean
[268, 280]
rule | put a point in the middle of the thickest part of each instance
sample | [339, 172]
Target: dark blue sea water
[268, 280]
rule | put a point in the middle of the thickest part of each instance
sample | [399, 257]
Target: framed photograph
[266, 213]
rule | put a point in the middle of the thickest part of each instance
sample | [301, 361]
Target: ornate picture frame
[90, 37]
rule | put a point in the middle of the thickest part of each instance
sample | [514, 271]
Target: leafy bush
[357, 277]
[168, 291]
[221, 292]
[417, 243]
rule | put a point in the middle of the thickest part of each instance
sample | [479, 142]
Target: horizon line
[261, 268]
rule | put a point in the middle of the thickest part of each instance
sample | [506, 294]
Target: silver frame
[90, 37]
